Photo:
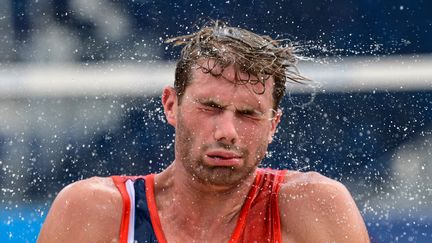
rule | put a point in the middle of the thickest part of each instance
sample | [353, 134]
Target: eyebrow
[210, 102]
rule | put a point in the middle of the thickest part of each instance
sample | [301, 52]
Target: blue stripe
[144, 232]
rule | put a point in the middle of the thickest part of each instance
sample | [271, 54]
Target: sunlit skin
[222, 134]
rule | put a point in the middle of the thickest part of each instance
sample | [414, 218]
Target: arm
[314, 208]
[85, 211]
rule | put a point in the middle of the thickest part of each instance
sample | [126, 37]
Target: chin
[223, 175]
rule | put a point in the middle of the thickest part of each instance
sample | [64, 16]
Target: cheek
[197, 125]
[255, 132]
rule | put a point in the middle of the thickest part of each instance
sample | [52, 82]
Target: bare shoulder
[85, 211]
[315, 208]
[312, 183]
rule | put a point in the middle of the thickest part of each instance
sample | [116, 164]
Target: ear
[169, 102]
[274, 123]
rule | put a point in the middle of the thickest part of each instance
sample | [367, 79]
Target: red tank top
[259, 219]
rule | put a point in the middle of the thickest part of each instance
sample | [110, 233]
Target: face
[222, 129]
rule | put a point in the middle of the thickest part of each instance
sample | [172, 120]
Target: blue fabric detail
[144, 232]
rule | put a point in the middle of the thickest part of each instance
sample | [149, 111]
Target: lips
[223, 158]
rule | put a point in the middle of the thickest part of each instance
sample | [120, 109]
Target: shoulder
[86, 211]
[94, 188]
[312, 183]
[312, 189]
[315, 208]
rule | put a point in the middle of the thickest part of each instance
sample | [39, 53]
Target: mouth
[223, 158]
[223, 155]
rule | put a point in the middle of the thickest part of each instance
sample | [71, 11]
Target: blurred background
[80, 84]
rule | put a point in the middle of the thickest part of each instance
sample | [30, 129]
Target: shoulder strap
[241, 222]
[153, 212]
[144, 229]
[262, 201]
[279, 179]
[127, 216]
[136, 223]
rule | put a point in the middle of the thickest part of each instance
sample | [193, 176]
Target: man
[224, 108]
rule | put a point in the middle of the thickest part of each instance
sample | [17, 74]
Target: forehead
[227, 87]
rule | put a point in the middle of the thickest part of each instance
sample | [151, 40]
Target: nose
[225, 128]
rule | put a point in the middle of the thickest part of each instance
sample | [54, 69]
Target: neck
[196, 204]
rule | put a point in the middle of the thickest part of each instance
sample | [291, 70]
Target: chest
[192, 232]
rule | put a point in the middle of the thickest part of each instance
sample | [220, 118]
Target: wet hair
[216, 46]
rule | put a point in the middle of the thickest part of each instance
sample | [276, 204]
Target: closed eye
[210, 106]
[210, 103]
[254, 114]
[213, 105]
[247, 112]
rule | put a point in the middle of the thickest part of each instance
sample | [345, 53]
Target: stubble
[213, 175]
